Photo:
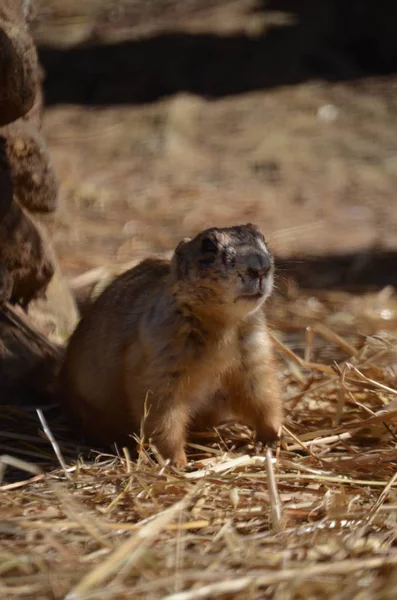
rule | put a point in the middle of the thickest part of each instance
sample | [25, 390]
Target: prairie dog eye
[208, 245]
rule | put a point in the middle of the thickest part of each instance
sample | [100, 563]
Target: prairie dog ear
[181, 244]
[254, 228]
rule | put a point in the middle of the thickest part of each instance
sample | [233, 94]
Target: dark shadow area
[332, 40]
[355, 272]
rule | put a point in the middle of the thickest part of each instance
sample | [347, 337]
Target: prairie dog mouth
[255, 297]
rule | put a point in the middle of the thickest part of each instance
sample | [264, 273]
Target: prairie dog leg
[166, 427]
[216, 413]
[254, 388]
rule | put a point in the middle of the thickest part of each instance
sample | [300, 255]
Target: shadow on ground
[356, 272]
[332, 40]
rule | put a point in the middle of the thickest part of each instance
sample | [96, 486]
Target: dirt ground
[164, 118]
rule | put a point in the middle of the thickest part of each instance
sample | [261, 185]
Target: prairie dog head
[229, 271]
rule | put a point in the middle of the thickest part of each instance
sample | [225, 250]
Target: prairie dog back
[101, 336]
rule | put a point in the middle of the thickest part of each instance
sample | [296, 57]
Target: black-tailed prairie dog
[184, 339]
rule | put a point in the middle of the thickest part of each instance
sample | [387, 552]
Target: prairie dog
[188, 336]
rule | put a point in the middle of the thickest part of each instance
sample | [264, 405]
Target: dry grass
[313, 518]
[137, 179]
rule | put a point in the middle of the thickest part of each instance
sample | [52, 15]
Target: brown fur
[187, 337]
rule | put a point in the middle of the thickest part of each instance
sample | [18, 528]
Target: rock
[23, 254]
[28, 362]
[55, 314]
[34, 182]
[19, 64]
[5, 181]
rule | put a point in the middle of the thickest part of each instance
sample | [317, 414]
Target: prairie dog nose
[258, 266]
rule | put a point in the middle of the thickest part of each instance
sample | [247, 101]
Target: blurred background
[167, 116]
